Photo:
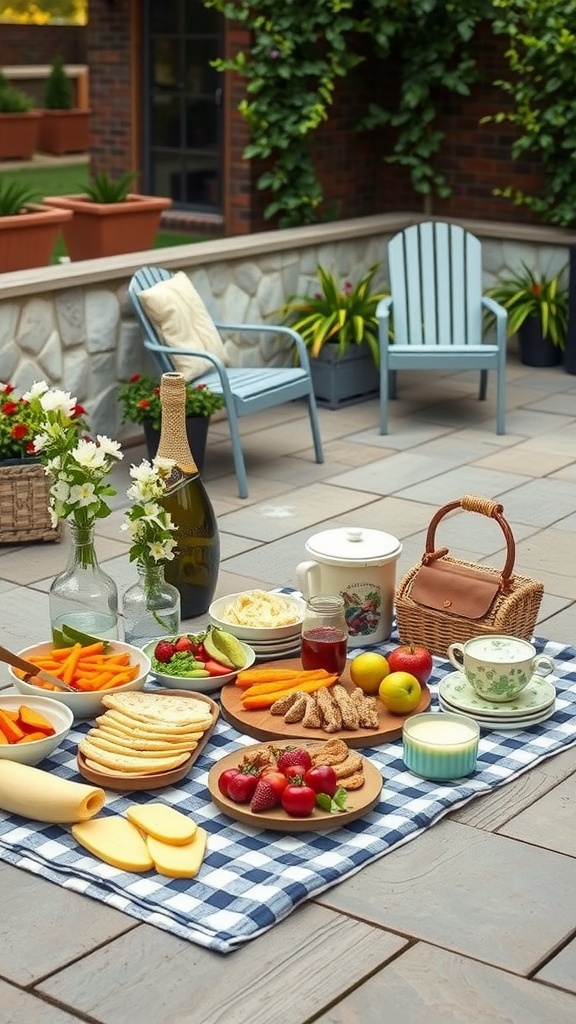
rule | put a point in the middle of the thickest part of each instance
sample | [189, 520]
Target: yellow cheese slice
[162, 822]
[37, 794]
[115, 841]
[178, 861]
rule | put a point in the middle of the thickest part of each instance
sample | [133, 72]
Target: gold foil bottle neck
[173, 438]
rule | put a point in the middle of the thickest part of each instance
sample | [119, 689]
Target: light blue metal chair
[245, 390]
[437, 307]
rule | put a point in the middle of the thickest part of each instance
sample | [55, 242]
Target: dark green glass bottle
[194, 568]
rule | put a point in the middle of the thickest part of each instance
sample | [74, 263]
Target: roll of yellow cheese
[37, 794]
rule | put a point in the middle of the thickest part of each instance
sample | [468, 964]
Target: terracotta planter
[196, 430]
[64, 131]
[19, 135]
[27, 239]
[106, 229]
[534, 349]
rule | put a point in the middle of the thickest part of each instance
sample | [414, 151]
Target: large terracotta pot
[19, 135]
[64, 131]
[27, 239]
[106, 229]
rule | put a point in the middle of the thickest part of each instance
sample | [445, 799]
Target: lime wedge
[78, 637]
[58, 638]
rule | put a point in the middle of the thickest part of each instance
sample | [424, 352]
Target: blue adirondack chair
[436, 302]
[245, 390]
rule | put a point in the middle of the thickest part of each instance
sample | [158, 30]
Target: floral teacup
[499, 667]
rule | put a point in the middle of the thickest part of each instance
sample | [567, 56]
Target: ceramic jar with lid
[360, 566]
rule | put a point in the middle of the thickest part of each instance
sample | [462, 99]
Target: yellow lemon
[367, 671]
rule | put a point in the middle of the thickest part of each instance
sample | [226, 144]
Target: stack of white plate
[267, 642]
[534, 704]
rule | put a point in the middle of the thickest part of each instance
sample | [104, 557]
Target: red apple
[411, 658]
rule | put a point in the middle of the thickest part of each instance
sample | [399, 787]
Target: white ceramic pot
[360, 565]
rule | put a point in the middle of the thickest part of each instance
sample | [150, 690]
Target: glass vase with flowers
[83, 596]
[151, 606]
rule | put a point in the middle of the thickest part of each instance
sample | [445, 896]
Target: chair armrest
[501, 315]
[297, 339]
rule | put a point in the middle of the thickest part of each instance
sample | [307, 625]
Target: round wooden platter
[124, 781]
[359, 802]
[262, 725]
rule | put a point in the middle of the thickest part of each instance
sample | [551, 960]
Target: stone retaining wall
[72, 325]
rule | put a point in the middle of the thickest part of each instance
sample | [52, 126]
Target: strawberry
[183, 643]
[163, 650]
[294, 756]
[265, 797]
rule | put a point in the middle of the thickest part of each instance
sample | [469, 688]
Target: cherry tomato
[322, 779]
[277, 780]
[224, 779]
[241, 787]
[295, 773]
[200, 652]
[298, 801]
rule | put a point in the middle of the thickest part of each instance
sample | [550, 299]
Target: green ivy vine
[541, 88]
[299, 50]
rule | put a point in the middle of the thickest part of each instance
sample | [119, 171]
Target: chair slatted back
[435, 272]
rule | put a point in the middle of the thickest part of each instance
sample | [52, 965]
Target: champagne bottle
[194, 568]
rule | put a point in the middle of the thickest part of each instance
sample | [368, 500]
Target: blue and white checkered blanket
[251, 879]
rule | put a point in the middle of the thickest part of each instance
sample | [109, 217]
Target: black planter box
[347, 380]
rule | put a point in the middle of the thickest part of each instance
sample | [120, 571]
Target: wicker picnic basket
[443, 599]
[24, 495]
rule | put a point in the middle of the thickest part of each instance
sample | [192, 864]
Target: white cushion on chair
[182, 321]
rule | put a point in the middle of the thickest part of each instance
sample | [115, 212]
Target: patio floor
[475, 920]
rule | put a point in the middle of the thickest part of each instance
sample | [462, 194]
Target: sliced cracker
[178, 711]
[136, 743]
[134, 727]
[131, 765]
[119, 748]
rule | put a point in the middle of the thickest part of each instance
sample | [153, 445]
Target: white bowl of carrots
[31, 727]
[110, 666]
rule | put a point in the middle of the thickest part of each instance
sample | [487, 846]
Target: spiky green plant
[14, 197]
[529, 294]
[103, 189]
[342, 313]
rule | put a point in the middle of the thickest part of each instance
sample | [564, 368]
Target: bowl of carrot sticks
[107, 666]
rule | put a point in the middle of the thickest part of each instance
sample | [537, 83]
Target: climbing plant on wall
[298, 51]
[541, 92]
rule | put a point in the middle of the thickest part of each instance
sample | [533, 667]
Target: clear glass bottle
[151, 606]
[194, 568]
[83, 595]
[324, 634]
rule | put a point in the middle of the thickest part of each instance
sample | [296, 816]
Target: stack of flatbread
[145, 733]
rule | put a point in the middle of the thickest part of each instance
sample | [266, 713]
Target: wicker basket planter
[24, 495]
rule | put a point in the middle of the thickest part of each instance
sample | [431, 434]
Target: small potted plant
[140, 401]
[109, 219]
[339, 327]
[537, 311]
[64, 128]
[19, 123]
[28, 228]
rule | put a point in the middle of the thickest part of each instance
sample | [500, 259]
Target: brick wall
[39, 44]
[356, 180]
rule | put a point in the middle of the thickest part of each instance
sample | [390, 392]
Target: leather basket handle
[484, 507]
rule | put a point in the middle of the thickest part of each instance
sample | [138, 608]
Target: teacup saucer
[458, 692]
[506, 724]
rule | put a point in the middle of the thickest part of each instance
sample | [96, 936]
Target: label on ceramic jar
[362, 608]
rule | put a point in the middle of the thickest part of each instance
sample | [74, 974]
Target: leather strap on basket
[484, 507]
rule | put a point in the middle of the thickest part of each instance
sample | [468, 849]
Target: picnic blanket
[251, 878]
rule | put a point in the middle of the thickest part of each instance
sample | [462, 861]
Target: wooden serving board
[359, 802]
[262, 725]
[124, 781]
